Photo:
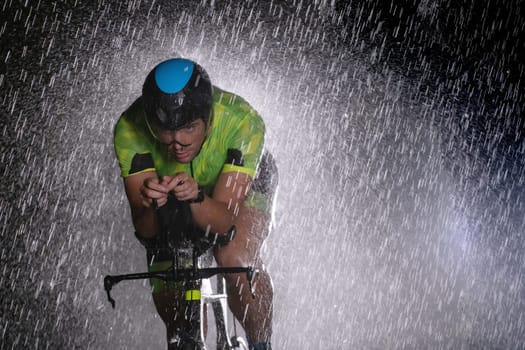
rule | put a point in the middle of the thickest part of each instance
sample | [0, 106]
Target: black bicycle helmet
[175, 93]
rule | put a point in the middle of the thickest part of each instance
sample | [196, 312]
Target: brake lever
[108, 284]
[250, 275]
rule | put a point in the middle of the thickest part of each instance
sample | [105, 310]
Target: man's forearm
[216, 215]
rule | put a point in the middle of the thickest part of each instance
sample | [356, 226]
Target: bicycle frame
[191, 336]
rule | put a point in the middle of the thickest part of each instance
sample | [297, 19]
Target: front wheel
[186, 346]
[239, 343]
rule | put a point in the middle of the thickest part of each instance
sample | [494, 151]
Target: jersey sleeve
[246, 144]
[132, 151]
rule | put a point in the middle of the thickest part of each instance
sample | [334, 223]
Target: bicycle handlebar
[178, 275]
[187, 274]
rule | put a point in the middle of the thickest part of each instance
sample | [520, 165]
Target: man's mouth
[181, 155]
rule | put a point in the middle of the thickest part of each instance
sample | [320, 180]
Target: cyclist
[187, 141]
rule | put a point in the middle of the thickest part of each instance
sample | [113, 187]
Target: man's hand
[183, 186]
[152, 189]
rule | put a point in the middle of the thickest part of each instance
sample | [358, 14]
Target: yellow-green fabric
[158, 285]
[236, 125]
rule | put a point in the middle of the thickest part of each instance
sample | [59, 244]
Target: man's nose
[179, 146]
[178, 141]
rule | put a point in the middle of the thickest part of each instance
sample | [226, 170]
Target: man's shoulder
[231, 101]
[131, 118]
[130, 127]
[232, 109]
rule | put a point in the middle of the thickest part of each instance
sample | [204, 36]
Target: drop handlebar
[193, 273]
[178, 275]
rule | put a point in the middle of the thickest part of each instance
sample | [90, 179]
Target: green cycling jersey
[234, 144]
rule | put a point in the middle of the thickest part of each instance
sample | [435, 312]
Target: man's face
[183, 143]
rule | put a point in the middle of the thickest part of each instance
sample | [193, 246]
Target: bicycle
[189, 254]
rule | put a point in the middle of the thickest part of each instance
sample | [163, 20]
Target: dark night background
[398, 128]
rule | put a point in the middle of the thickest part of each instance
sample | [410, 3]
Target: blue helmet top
[172, 76]
[177, 92]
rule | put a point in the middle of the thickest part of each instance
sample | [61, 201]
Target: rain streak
[399, 133]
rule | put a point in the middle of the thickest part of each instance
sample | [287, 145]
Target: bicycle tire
[239, 343]
[186, 346]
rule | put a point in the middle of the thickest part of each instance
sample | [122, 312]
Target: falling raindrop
[399, 133]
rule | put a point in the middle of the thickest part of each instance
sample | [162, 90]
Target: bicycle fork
[218, 302]
[190, 337]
